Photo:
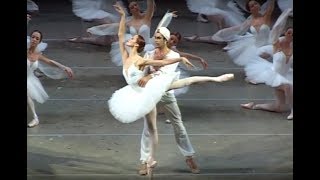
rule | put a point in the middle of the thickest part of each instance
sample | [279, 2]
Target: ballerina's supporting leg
[288, 91]
[35, 120]
[152, 126]
[199, 79]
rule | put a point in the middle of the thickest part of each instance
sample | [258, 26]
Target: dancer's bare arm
[192, 56]
[269, 11]
[55, 63]
[122, 31]
[150, 10]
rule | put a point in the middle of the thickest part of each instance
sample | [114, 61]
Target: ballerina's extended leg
[200, 79]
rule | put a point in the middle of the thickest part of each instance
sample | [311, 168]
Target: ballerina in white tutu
[35, 60]
[134, 68]
[278, 74]
[132, 102]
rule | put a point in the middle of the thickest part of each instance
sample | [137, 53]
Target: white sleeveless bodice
[144, 31]
[261, 36]
[133, 74]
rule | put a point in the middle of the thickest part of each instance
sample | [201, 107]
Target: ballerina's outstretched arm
[55, 63]
[122, 31]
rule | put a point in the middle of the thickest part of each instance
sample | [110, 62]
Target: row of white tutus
[95, 9]
[132, 102]
[227, 9]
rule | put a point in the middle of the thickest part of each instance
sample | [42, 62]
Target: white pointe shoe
[151, 164]
[33, 123]
[290, 117]
[225, 77]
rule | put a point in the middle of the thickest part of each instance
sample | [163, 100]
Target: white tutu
[94, 9]
[34, 86]
[248, 47]
[132, 102]
[273, 74]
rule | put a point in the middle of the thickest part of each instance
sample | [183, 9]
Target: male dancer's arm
[165, 69]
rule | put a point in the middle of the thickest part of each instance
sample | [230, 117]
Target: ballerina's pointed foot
[73, 40]
[33, 123]
[290, 117]
[191, 38]
[249, 105]
[150, 166]
[225, 77]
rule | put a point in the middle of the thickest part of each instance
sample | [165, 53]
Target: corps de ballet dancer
[51, 68]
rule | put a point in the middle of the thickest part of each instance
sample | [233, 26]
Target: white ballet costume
[248, 47]
[95, 9]
[228, 9]
[133, 102]
[34, 86]
[272, 74]
[144, 31]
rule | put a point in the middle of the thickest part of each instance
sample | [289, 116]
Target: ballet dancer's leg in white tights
[199, 79]
[283, 95]
[152, 127]
[35, 120]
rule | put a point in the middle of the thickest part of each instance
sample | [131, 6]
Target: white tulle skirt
[244, 50]
[131, 103]
[94, 9]
[35, 89]
[228, 10]
[263, 72]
